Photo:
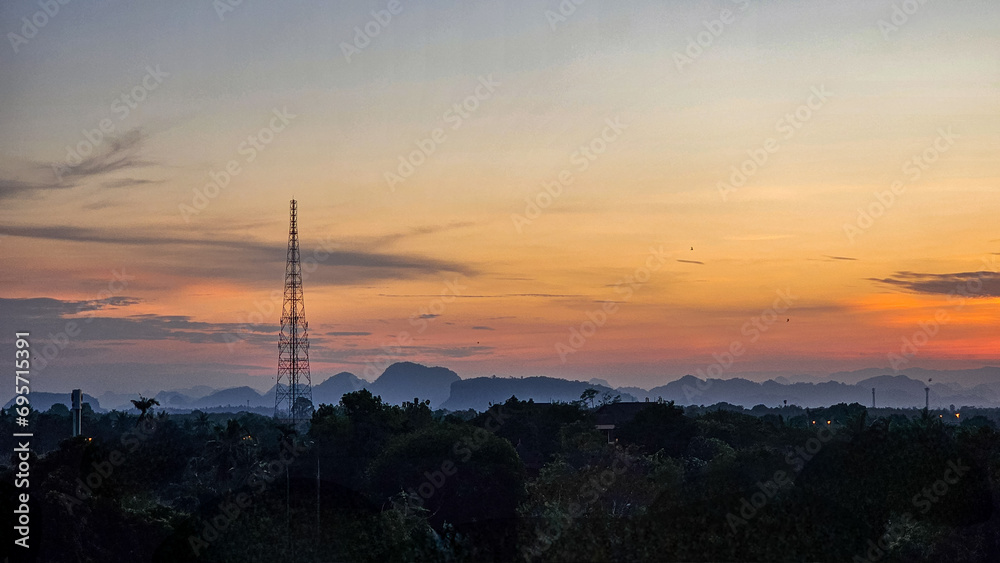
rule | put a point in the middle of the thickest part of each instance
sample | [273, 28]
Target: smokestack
[77, 412]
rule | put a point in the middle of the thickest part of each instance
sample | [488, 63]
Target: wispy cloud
[114, 154]
[240, 259]
[962, 283]
[14, 189]
[494, 296]
[49, 316]
[47, 307]
[691, 262]
[129, 183]
[117, 153]
[389, 239]
[103, 204]
[838, 257]
[431, 354]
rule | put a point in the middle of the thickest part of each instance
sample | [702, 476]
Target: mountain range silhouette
[405, 381]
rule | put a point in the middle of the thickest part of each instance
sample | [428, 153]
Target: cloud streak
[241, 259]
[119, 153]
[115, 154]
[49, 316]
[962, 283]
[846, 258]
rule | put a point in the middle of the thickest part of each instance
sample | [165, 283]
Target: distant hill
[118, 401]
[41, 401]
[172, 398]
[477, 393]
[445, 389]
[405, 381]
[637, 392]
[330, 391]
[891, 391]
[987, 375]
[236, 397]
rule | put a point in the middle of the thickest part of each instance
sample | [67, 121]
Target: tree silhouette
[202, 422]
[303, 408]
[404, 483]
[608, 399]
[144, 405]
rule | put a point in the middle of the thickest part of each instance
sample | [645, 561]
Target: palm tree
[144, 405]
[202, 422]
[233, 452]
[120, 419]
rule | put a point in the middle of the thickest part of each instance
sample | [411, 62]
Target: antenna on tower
[293, 390]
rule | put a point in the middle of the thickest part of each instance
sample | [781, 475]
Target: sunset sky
[643, 125]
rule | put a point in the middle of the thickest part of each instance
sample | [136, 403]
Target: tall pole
[293, 388]
[873, 397]
[927, 399]
[77, 401]
[317, 504]
[288, 511]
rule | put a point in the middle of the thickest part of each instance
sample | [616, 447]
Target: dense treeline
[368, 481]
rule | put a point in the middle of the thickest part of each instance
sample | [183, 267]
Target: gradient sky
[186, 281]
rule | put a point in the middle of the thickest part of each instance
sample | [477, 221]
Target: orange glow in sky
[488, 189]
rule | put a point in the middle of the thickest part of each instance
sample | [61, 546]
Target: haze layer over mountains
[407, 381]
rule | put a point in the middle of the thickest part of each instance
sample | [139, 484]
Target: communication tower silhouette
[293, 391]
